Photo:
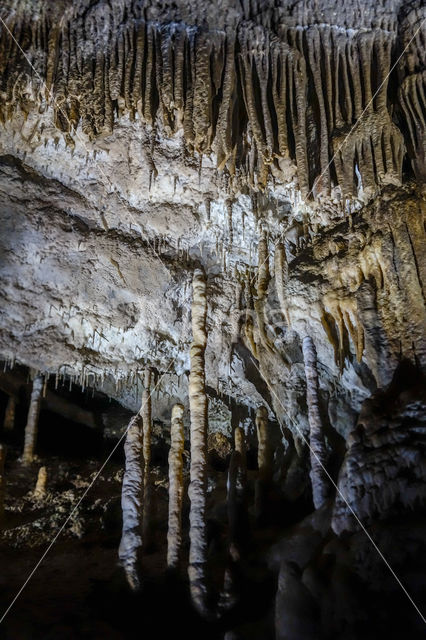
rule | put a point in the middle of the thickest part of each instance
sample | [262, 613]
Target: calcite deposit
[213, 217]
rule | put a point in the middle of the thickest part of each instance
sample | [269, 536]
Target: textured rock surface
[385, 465]
[278, 147]
[132, 502]
[104, 221]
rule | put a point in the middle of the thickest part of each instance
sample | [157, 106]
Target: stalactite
[238, 523]
[131, 502]
[412, 100]
[189, 63]
[265, 456]
[248, 324]
[150, 79]
[146, 448]
[224, 139]
[32, 420]
[230, 225]
[343, 311]
[263, 274]
[319, 479]
[9, 415]
[174, 534]
[297, 93]
[279, 53]
[265, 451]
[262, 285]
[237, 507]
[281, 277]
[315, 58]
[198, 415]
[248, 89]
[208, 67]
[240, 444]
[40, 488]
[242, 92]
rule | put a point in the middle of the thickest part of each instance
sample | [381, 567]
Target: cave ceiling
[280, 146]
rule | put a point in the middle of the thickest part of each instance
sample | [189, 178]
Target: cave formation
[212, 319]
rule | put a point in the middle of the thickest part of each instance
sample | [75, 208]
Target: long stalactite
[237, 496]
[174, 533]
[199, 423]
[146, 449]
[264, 459]
[9, 414]
[319, 478]
[32, 421]
[131, 503]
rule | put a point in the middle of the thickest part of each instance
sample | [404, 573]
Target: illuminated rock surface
[219, 206]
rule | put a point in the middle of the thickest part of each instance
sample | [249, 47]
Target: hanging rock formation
[32, 421]
[198, 436]
[237, 496]
[240, 88]
[9, 415]
[146, 449]
[131, 503]
[174, 534]
[265, 458]
[319, 478]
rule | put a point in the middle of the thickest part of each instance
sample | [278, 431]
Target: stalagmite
[9, 415]
[32, 421]
[198, 415]
[131, 503]
[174, 534]
[264, 459]
[40, 488]
[319, 479]
[238, 523]
[147, 485]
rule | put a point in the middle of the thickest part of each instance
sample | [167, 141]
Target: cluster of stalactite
[372, 278]
[259, 342]
[255, 93]
[208, 604]
[359, 279]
